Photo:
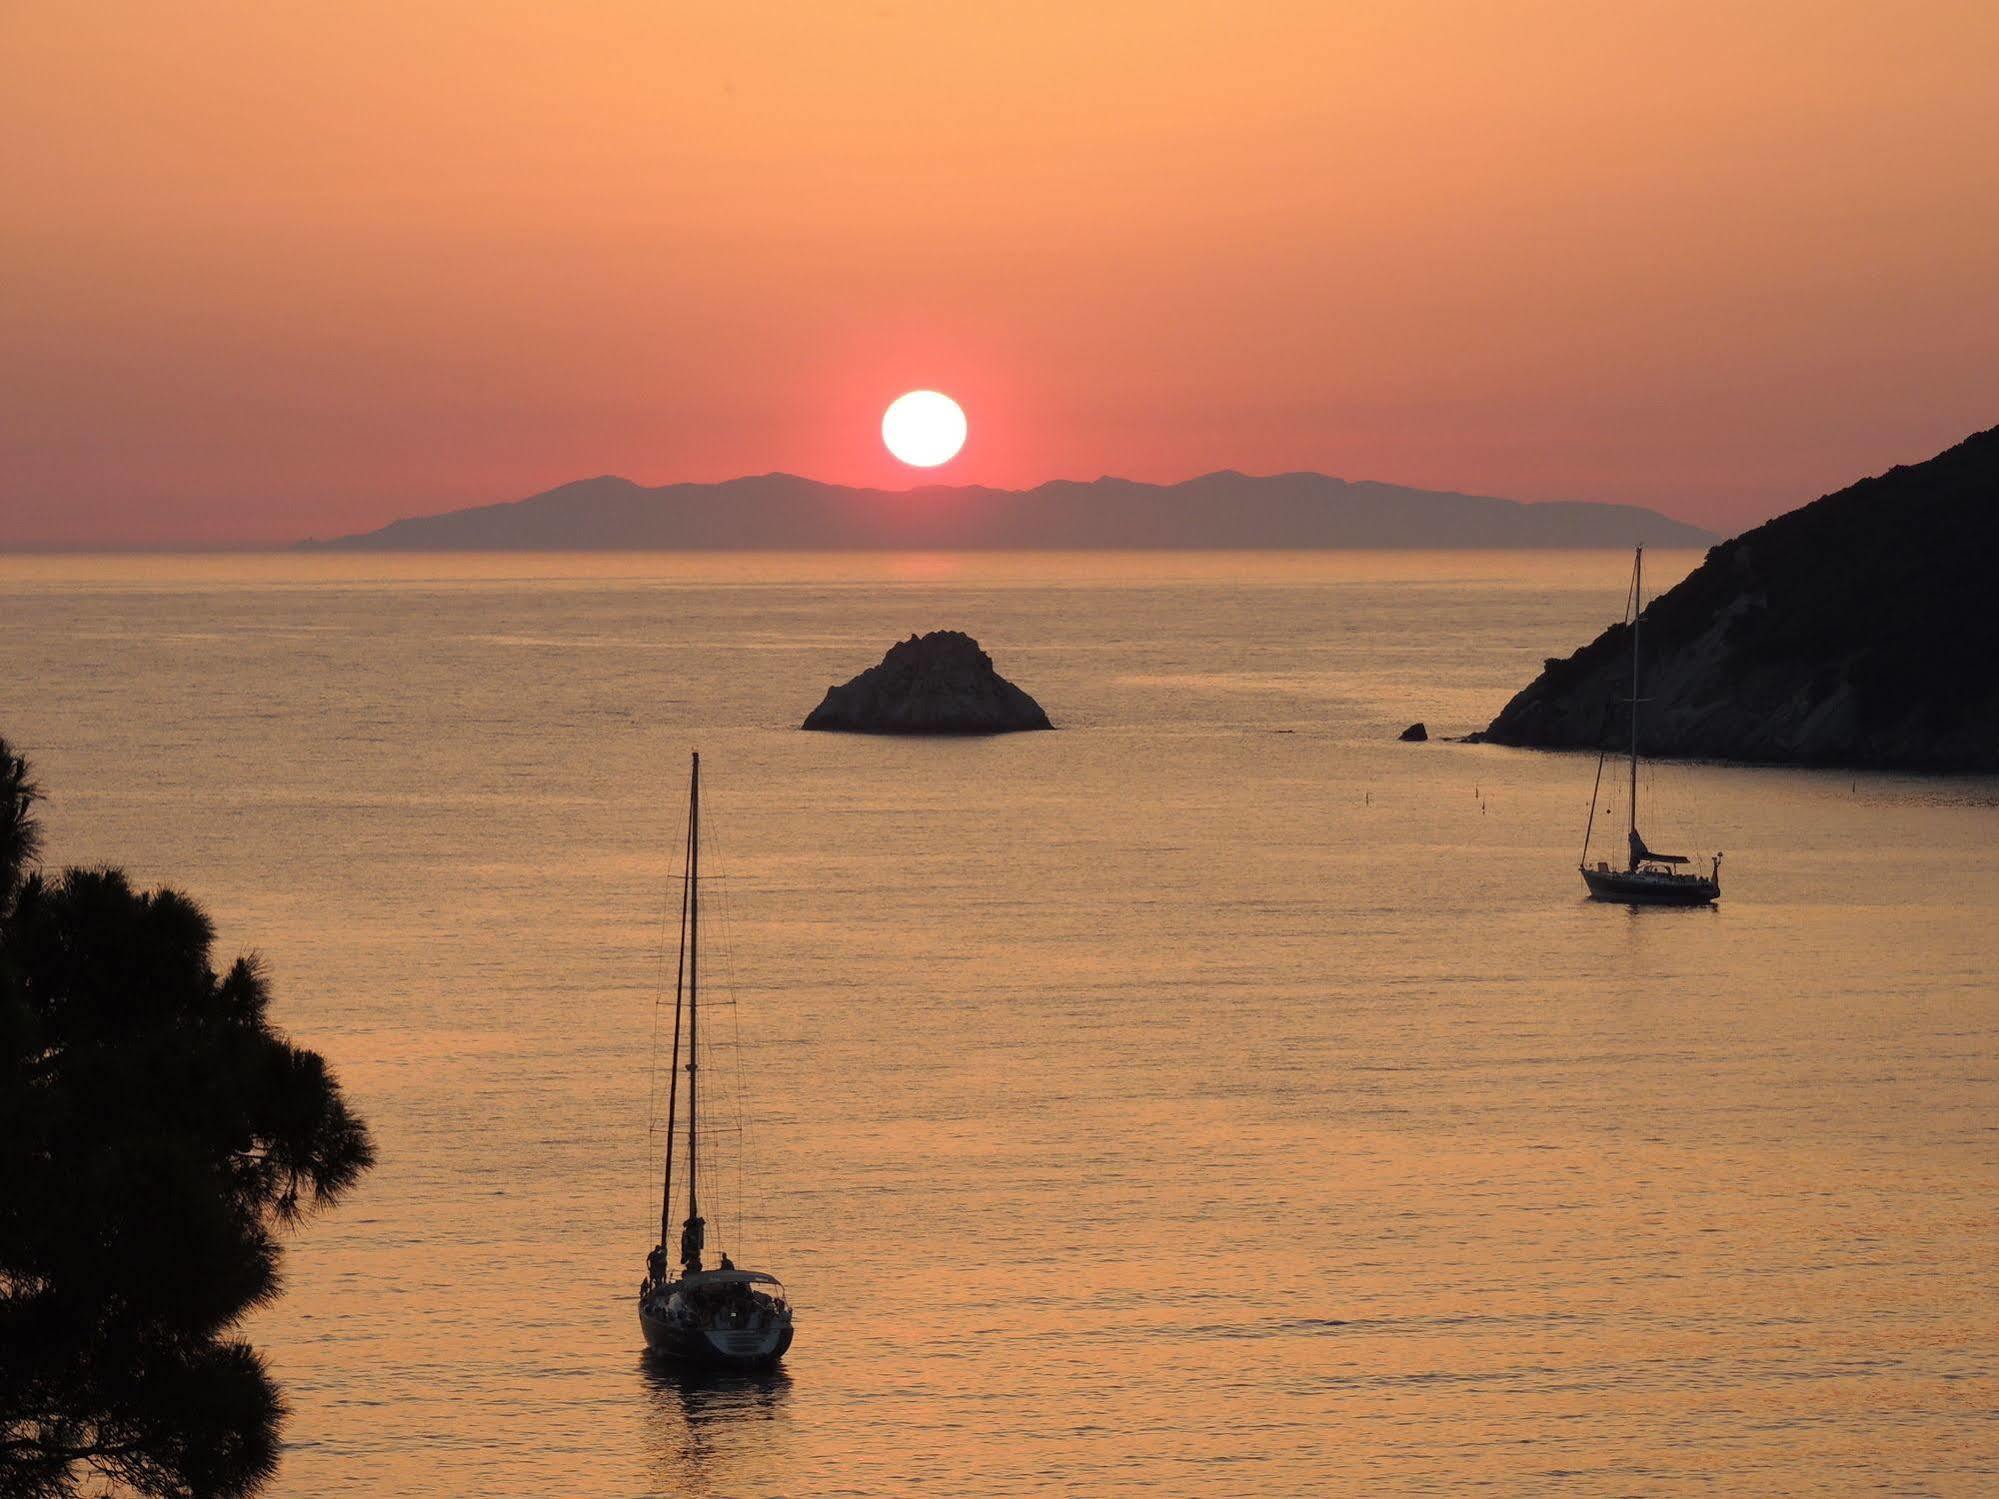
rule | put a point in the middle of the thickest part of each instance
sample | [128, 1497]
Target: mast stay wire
[653, 1090]
[1603, 733]
[725, 990]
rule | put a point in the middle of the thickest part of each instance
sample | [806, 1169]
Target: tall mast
[1637, 608]
[673, 1067]
[690, 1239]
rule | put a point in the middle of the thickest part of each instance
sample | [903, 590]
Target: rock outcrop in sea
[940, 683]
[1861, 630]
[1416, 733]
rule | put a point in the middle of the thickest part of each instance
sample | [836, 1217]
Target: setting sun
[924, 428]
[866, 935]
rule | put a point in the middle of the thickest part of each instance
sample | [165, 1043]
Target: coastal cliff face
[940, 683]
[1861, 630]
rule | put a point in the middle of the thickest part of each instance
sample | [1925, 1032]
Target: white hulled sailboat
[723, 1317]
[1648, 878]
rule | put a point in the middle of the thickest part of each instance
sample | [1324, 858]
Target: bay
[1213, 1096]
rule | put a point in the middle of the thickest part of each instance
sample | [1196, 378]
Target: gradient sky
[276, 270]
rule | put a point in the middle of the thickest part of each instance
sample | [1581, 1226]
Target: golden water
[1215, 1096]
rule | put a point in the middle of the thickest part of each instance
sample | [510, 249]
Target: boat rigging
[723, 1317]
[1648, 878]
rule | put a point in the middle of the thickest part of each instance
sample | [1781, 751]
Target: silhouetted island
[1221, 510]
[940, 683]
[1416, 733]
[1860, 630]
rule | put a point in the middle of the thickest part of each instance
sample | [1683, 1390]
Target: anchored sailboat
[1648, 878]
[725, 1317]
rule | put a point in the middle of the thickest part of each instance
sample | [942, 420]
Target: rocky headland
[940, 683]
[1861, 630]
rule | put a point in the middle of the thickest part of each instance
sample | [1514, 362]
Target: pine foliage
[156, 1135]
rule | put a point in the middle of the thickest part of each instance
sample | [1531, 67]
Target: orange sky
[277, 270]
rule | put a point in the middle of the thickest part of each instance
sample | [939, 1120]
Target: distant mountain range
[1225, 510]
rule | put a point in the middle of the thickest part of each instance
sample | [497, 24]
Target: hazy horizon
[164, 545]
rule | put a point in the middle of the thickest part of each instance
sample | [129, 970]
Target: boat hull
[716, 1348]
[1638, 889]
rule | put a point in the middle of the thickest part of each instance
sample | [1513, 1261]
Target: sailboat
[1648, 878]
[721, 1317]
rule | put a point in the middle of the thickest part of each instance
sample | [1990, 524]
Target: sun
[924, 428]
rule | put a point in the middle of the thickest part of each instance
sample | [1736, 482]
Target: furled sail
[1640, 854]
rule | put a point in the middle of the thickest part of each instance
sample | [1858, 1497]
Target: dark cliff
[1861, 630]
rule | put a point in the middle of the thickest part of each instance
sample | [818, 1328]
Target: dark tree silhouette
[20, 839]
[155, 1134]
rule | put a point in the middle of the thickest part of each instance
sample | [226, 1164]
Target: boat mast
[1637, 608]
[673, 1066]
[690, 1234]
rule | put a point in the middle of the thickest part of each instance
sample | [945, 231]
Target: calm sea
[1214, 1097]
